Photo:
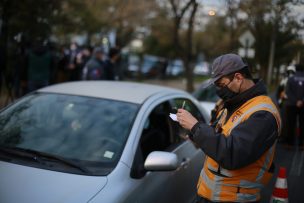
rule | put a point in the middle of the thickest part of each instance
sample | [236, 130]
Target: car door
[191, 158]
[163, 134]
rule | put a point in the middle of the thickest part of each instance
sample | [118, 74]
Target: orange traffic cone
[280, 191]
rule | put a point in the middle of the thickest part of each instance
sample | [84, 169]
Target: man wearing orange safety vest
[240, 141]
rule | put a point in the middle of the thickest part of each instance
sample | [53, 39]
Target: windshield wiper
[14, 153]
[38, 156]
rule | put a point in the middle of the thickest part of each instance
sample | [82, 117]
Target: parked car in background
[201, 68]
[153, 66]
[133, 65]
[98, 142]
[206, 94]
[175, 68]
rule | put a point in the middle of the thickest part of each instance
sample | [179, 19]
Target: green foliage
[30, 18]
[159, 42]
[268, 20]
[43, 18]
[214, 40]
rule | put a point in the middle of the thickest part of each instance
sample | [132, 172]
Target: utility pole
[272, 49]
[271, 59]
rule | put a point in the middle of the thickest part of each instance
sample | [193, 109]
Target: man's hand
[185, 119]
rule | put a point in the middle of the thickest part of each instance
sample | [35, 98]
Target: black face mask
[225, 93]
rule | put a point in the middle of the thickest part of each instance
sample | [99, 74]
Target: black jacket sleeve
[246, 143]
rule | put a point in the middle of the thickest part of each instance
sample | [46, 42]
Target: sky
[299, 12]
[216, 5]
[219, 7]
[220, 4]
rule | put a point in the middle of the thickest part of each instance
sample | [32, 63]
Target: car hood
[29, 185]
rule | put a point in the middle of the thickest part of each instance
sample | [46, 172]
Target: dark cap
[224, 65]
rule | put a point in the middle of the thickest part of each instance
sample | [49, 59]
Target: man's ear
[239, 76]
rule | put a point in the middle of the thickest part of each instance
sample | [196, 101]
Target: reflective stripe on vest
[242, 184]
[269, 107]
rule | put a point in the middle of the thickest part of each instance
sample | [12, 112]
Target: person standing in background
[281, 101]
[71, 66]
[281, 92]
[111, 68]
[295, 107]
[39, 69]
[94, 69]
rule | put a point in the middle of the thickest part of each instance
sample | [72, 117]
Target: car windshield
[88, 131]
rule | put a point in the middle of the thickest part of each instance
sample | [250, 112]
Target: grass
[200, 78]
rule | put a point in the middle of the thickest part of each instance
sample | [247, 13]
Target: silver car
[98, 142]
[206, 95]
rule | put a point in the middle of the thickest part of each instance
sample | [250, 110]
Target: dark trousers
[294, 115]
[203, 200]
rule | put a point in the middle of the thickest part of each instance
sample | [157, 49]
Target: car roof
[124, 91]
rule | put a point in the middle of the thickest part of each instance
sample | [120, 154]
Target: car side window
[161, 133]
[157, 135]
[157, 130]
[189, 106]
[179, 131]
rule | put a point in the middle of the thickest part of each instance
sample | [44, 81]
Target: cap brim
[211, 81]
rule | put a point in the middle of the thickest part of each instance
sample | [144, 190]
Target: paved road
[293, 160]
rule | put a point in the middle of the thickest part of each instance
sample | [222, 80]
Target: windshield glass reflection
[83, 129]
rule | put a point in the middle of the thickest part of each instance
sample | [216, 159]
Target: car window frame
[138, 159]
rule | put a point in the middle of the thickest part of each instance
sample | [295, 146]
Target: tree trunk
[176, 44]
[231, 15]
[189, 68]
[270, 62]
[4, 44]
[178, 16]
[263, 72]
[89, 39]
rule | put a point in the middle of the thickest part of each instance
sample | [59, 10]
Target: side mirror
[161, 161]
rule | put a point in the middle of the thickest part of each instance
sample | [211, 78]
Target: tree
[271, 24]
[178, 10]
[189, 45]
[215, 38]
[178, 15]
[232, 11]
[22, 22]
[159, 42]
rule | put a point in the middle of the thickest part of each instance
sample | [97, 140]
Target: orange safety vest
[244, 184]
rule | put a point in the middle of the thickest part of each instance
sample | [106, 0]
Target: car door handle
[185, 163]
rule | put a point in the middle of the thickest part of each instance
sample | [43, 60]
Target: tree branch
[174, 7]
[183, 10]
